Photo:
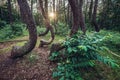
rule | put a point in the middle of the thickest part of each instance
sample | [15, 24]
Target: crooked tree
[77, 13]
[28, 19]
[48, 26]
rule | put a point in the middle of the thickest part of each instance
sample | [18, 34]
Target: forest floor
[37, 66]
[34, 66]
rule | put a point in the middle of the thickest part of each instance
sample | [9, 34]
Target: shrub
[10, 31]
[80, 52]
[40, 29]
[62, 29]
[2, 23]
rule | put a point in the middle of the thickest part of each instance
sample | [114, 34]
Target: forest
[59, 39]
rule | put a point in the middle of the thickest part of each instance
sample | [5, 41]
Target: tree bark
[78, 18]
[32, 6]
[48, 26]
[94, 22]
[90, 10]
[74, 9]
[46, 7]
[54, 11]
[9, 11]
[27, 17]
[81, 20]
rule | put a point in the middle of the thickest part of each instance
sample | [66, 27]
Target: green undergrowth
[89, 57]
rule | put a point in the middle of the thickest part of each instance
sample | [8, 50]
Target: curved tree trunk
[27, 17]
[94, 17]
[45, 12]
[48, 26]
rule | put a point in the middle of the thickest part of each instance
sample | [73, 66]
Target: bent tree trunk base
[27, 17]
[56, 47]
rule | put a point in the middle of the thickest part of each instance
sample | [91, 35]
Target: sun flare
[52, 15]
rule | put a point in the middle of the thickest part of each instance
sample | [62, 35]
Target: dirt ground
[34, 66]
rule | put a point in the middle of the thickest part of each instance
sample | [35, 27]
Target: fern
[80, 52]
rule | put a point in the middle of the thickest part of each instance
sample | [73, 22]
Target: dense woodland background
[72, 39]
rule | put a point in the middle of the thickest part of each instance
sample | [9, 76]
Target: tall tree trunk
[68, 14]
[27, 17]
[94, 22]
[10, 11]
[86, 9]
[74, 9]
[46, 7]
[81, 20]
[48, 26]
[90, 10]
[54, 11]
[32, 6]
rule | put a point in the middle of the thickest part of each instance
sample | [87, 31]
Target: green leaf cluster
[81, 51]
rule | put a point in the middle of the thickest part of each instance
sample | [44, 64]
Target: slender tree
[31, 5]
[10, 11]
[90, 10]
[81, 20]
[94, 22]
[27, 17]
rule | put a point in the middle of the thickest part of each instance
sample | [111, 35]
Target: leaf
[81, 47]
[69, 49]
[62, 78]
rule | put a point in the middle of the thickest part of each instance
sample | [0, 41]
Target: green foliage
[11, 31]
[109, 17]
[4, 14]
[112, 40]
[62, 29]
[2, 23]
[80, 52]
[7, 30]
[41, 29]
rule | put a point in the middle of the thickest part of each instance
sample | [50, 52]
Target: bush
[109, 17]
[11, 31]
[41, 29]
[2, 23]
[62, 29]
[80, 52]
